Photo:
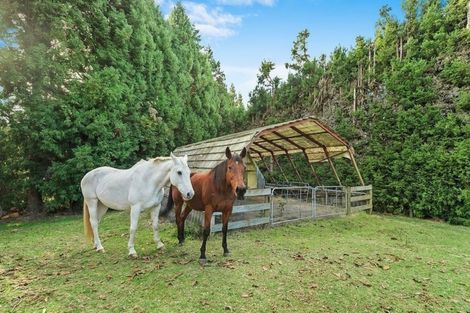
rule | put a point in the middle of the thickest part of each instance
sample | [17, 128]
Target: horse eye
[179, 173]
[229, 167]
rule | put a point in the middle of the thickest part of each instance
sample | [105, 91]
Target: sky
[242, 33]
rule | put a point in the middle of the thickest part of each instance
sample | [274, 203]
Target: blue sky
[242, 33]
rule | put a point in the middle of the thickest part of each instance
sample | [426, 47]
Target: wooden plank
[361, 207]
[258, 192]
[361, 188]
[249, 208]
[360, 198]
[242, 224]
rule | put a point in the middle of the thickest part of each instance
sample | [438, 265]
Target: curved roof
[307, 135]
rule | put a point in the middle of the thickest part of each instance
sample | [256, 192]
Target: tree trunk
[35, 203]
[468, 15]
[369, 66]
[401, 48]
[373, 67]
[354, 100]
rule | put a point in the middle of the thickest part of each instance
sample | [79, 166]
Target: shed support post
[332, 166]
[279, 166]
[295, 168]
[265, 164]
[313, 170]
[353, 160]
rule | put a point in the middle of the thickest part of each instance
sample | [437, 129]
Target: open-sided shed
[309, 136]
[275, 203]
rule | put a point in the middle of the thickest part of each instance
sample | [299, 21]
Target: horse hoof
[160, 245]
[181, 243]
[133, 255]
[100, 250]
[202, 262]
[226, 254]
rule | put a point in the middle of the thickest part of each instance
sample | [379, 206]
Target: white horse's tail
[86, 222]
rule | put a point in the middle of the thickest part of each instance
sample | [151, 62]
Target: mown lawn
[362, 263]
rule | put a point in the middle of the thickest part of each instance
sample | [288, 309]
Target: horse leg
[93, 210]
[184, 214]
[156, 236]
[179, 221]
[205, 234]
[102, 209]
[135, 213]
[225, 217]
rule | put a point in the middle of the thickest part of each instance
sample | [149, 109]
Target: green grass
[362, 263]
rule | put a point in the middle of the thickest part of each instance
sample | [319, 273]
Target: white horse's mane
[157, 159]
[160, 159]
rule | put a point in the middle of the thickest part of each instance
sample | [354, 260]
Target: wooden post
[270, 170]
[279, 166]
[353, 160]
[348, 200]
[295, 168]
[313, 170]
[332, 166]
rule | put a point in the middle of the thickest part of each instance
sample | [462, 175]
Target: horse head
[180, 176]
[235, 172]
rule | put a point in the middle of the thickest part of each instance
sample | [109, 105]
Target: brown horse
[215, 191]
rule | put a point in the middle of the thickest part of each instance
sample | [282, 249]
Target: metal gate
[291, 203]
[330, 201]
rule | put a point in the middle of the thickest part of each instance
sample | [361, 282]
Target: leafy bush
[459, 221]
[457, 72]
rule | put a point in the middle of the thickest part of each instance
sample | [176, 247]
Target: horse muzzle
[188, 196]
[241, 193]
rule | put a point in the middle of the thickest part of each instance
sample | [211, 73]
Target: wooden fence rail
[359, 198]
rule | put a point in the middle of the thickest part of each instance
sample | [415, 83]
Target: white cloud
[246, 2]
[214, 31]
[245, 78]
[280, 71]
[211, 22]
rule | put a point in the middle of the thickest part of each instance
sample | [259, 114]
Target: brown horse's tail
[169, 204]
[86, 222]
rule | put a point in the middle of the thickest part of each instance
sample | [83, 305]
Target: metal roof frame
[309, 136]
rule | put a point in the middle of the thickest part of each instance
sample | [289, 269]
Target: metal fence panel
[291, 203]
[330, 201]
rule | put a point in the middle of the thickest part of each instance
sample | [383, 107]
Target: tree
[93, 83]
[299, 51]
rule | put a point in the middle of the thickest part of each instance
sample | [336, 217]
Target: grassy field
[362, 263]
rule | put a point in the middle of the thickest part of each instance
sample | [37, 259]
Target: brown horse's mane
[220, 170]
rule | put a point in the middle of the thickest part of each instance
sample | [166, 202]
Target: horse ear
[228, 153]
[185, 158]
[173, 156]
[243, 153]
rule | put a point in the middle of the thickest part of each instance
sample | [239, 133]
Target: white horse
[136, 189]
